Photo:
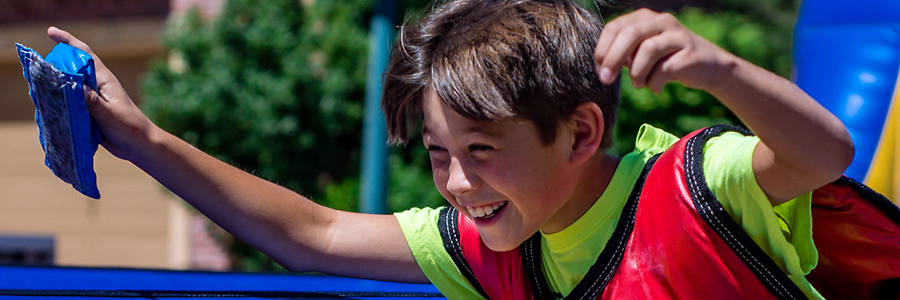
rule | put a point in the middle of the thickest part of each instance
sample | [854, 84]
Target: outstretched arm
[298, 233]
[803, 146]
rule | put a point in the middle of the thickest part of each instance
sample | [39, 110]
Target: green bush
[276, 88]
[272, 87]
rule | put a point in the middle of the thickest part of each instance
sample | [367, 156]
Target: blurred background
[275, 88]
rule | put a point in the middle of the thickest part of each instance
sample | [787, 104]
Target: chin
[501, 244]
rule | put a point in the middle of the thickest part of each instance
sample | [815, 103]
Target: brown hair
[494, 59]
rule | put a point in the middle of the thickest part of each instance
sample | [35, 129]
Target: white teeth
[484, 211]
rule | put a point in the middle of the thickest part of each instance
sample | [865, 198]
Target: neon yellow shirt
[784, 233]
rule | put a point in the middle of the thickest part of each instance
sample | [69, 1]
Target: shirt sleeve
[784, 232]
[424, 239]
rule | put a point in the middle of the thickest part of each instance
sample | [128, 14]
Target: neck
[593, 179]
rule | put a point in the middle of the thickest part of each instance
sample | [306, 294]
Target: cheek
[440, 176]
[514, 174]
[542, 177]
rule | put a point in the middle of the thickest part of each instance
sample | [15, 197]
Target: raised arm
[298, 233]
[803, 146]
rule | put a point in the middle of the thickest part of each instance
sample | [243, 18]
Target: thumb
[97, 105]
[92, 99]
[102, 111]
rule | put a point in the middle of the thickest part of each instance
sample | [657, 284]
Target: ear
[586, 127]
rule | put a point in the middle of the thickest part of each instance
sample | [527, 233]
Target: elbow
[849, 153]
[827, 162]
[294, 267]
[298, 262]
[843, 153]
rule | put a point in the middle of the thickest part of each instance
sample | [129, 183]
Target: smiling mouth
[486, 211]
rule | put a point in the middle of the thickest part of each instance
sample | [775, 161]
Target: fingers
[618, 41]
[104, 76]
[653, 52]
[91, 98]
[62, 36]
[119, 119]
[624, 42]
[658, 78]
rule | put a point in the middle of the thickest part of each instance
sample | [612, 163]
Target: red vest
[675, 241]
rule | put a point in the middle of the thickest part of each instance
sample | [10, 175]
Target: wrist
[725, 74]
[148, 138]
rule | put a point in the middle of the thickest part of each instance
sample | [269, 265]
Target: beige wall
[125, 46]
[135, 223]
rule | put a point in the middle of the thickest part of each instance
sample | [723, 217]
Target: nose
[460, 181]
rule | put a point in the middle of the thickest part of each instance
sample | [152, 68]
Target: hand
[657, 49]
[123, 125]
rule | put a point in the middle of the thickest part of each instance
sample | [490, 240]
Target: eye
[477, 147]
[438, 155]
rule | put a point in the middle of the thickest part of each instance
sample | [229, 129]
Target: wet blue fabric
[67, 133]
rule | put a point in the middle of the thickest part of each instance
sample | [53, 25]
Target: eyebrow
[475, 128]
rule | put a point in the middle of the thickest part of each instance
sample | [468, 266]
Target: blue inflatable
[847, 56]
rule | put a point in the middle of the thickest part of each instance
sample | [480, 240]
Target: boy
[517, 101]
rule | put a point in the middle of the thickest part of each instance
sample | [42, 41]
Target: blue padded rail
[103, 283]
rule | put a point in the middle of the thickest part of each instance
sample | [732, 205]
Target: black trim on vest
[880, 201]
[594, 282]
[890, 290]
[712, 212]
[449, 227]
[531, 260]
[891, 287]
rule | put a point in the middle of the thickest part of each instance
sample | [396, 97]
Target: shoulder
[728, 170]
[422, 233]
[728, 167]
[418, 218]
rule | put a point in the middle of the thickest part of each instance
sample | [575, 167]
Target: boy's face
[499, 174]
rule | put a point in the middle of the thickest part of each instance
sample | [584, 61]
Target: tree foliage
[273, 87]
[276, 88]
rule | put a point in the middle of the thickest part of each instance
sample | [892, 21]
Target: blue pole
[374, 172]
